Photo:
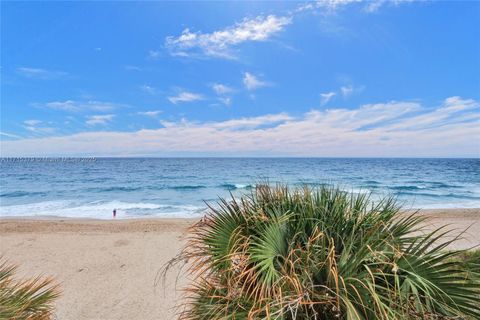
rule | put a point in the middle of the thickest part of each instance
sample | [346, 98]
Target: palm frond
[323, 254]
[30, 299]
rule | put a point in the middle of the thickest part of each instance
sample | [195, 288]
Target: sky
[334, 78]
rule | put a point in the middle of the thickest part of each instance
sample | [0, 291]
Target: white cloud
[331, 6]
[328, 6]
[149, 89]
[32, 122]
[154, 54]
[221, 89]
[42, 130]
[219, 43]
[9, 135]
[396, 129]
[185, 96]
[251, 123]
[132, 68]
[99, 119]
[225, 100]
[375, 5]
[68, 105]
[35, 126]
[453, 109]
[456, 103]
[77, 106]
[43, 74]
[335, 4]
[153, 113]
[326, 97]
[347, 91]
[251, 82]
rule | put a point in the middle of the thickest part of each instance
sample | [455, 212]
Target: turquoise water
[177, 187]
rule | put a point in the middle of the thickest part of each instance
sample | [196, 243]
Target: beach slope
[107, 269]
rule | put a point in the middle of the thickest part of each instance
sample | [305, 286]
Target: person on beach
[114, 213]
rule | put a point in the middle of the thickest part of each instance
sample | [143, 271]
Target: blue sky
[329, 78]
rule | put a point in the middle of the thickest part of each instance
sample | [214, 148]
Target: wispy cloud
[154, 54]
[38, 127]
[384, 129]
[331, 6]
[43, 74]
[42, 130]
[453, 109]
[252, 122]
[334, 4]
[224, 93]
[32, 122]
[347, 91]
[132, 68]
[220, 43]
[152, 113]
[225, 100]
[221, 89]
[99, 119]
[185, 96]
[251, 82]
[375, 5]
[344, 91]
[326, 97]
[327, 6]
[148, 89]
[9, 135]
[77, 106]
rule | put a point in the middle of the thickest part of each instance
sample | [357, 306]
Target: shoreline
[457, 220]
[427, 211]
[107, 269]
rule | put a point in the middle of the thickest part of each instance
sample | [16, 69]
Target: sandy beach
[108, 268]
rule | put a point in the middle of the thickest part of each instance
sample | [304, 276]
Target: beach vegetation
[323, 253]
[25, 299]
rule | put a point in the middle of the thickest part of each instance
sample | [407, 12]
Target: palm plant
[322, 254]
[25, 299]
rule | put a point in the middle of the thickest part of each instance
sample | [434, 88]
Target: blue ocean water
[178, 187]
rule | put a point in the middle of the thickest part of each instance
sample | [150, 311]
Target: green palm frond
[324, 254]
[25, 299]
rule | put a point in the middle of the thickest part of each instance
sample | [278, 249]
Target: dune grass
[323, 254]
[30, 299]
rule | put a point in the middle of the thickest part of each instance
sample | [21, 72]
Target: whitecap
[100, 209]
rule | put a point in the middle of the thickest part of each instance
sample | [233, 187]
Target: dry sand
[107, 269]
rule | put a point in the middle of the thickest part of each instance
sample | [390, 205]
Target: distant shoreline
[432, 212]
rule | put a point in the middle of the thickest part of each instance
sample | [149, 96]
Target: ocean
[179, 187]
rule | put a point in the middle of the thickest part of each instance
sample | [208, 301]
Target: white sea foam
[243, 186]
[100, 209]
[449, 205]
